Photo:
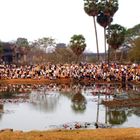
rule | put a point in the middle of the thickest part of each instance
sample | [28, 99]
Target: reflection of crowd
[74, 71]
[68, 88]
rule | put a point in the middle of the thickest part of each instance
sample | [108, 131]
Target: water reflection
[117, 116]
[1, 110]
[44, 100]
[80, 101]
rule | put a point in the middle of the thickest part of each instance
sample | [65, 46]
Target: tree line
[121, 42]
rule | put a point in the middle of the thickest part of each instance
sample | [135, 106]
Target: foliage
[77, 44]
[115, 35]
[134, 53]
[45, 42]
[91, 7]
[132, 34]
[22, 42]
[95, 7]
[106, 11]
[1, 48]
[104, 20]
[108, 7]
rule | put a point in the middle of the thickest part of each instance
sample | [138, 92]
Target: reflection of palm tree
[97, 117]
[1, 110]
[117, 117]
[137, 111]
[79, 102]
[1, 107]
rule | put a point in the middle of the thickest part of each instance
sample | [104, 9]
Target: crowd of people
[96, 72]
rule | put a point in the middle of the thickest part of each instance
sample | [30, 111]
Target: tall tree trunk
[96, 36]
[105, 42]
[109, 47]
[77, 59]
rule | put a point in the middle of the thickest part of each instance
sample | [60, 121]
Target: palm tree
[91, 8]
[115, 36]
[77, 45]
[78, 102]
[107, 9]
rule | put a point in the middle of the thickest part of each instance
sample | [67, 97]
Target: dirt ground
[98, 134]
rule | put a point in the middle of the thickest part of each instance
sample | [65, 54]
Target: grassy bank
[98, 134]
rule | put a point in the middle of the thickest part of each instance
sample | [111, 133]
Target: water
[43, 107]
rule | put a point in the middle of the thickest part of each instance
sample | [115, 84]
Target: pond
[68, 106]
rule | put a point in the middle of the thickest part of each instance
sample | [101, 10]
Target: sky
[59, 19]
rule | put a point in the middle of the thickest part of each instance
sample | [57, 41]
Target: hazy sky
[59, 19]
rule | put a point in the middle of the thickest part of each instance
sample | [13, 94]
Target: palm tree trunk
[109, 46]
[77, 59]
[96, 36]
[115, 56]
[105, 42]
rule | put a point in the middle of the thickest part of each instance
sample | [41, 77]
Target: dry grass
[98, 134]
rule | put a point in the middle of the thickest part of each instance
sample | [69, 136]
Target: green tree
[115, 36]
[77, 45]
[91, 8]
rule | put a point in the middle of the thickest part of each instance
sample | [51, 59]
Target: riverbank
[97, 134]
[48, 81]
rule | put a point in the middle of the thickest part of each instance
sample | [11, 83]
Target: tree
[1, 50]
[131, 35]
[115, 36]
[22, 42]
[22, 45]
[134, 53]
[104, 10]
[46, 42]
[64, 55]
[107, 9]
[91, 8]
[77, 45]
